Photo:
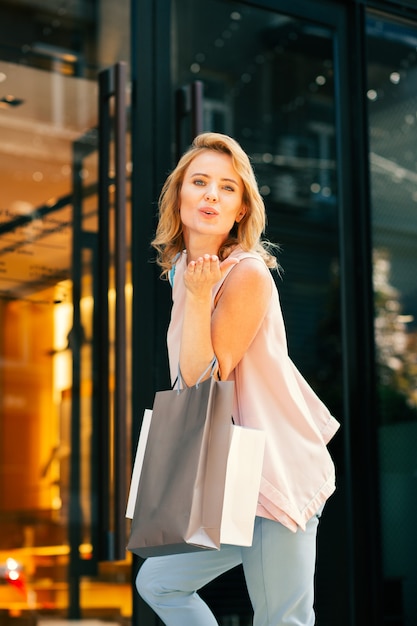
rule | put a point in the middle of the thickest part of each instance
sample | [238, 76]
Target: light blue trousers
[279, 570]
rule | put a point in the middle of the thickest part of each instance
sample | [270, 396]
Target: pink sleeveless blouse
[271, 395]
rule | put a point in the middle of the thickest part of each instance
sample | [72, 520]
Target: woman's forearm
[196, 351]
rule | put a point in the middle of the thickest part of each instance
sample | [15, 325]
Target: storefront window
[267, 79]
[392, 105]
[50, 56]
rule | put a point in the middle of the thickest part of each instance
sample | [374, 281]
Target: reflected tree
[396, 347]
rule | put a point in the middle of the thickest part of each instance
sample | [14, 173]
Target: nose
[211, 193]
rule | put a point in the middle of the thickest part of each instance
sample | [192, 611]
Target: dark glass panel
[392, 106]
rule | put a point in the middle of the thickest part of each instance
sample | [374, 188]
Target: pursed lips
[208, 210]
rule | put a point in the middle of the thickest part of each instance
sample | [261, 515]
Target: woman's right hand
[201, 275]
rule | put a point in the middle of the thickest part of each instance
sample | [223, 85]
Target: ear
[241, 214]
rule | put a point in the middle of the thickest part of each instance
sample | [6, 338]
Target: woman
[225, 304]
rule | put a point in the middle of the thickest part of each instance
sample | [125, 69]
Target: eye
[199, 181]
[229, 188]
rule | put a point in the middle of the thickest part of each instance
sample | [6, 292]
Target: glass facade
[268, 79]
[277, 77]
[392, 100]
[50, 56]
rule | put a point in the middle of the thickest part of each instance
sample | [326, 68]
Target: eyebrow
[230, 180]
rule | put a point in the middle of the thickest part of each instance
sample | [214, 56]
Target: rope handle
[211, 368]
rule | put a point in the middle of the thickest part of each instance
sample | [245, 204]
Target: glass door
[392, 97]
[268, 78]
[58, 439]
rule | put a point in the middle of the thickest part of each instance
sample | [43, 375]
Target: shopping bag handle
[179, 381]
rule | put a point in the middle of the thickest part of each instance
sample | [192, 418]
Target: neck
[199, 246]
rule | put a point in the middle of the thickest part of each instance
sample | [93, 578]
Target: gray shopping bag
[181, 486]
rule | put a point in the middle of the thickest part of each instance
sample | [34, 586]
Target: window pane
[268, 80]
[50, 55]
[392, 104]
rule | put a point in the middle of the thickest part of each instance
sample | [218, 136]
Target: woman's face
[211, 196]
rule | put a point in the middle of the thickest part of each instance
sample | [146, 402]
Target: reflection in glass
[268, 80]
[50, 54]
[392, 105]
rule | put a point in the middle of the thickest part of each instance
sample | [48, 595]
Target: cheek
[184, 201]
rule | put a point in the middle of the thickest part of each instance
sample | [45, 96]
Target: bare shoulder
[241, 307]
[250, 269]
[249, 279]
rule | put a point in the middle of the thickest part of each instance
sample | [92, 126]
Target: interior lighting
[62, 363]
[235, 16]
[12, 564]
[395, 78]
[372, 94]
[56, 503]
[321, 80]
[21, 207]
[14, 574]
[2, 77]
[54, 52]
[405, 319]
[10, 101]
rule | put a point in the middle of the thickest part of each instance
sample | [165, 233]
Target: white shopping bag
[137, 466]
[243, 478]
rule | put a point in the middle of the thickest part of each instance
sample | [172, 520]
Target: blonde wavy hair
[169, 239]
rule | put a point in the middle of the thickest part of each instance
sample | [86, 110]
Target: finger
[191, 267]
[206, 264]
[198, 265]
[202, 263]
